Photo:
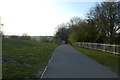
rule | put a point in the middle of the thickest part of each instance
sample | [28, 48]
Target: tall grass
[109, 60]
[24, 58]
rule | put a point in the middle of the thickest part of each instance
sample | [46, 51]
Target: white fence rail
[115, 49]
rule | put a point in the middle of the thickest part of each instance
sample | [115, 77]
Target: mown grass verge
[109, 60]
[24, 58]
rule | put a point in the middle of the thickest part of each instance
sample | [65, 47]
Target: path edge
[48, 63]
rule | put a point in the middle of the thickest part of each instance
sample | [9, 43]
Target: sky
[40, 17]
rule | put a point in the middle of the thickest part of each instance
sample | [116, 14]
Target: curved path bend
[69, 63]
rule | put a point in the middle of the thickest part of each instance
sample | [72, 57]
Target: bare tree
[62, 33]
[25, 36]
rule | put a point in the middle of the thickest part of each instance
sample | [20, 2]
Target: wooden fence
[115, 49]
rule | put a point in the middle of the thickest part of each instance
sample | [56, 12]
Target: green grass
[107, 59]
[24, 58]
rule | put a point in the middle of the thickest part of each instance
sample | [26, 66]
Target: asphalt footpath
[66, 62]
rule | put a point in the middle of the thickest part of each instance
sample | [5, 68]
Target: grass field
[24, 58]
[109, 60]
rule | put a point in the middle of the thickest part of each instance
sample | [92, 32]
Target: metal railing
[112, 48]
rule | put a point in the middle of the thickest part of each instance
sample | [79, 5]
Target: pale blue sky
[39, 17]
[75, 8]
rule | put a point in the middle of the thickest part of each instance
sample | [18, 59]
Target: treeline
[23, 37]
[44, 39]
[102, 25]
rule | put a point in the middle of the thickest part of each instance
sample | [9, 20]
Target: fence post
[103, 47]
[82, 45]
[118, 49]
[79, 44]
[114, 52]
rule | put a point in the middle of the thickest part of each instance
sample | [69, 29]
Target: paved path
[68, 63]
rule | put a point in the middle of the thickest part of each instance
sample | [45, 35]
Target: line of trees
[24, 36]
[102, 25]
